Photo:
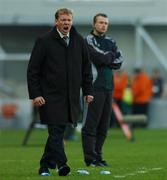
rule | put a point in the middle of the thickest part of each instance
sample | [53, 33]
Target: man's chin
[66, 31]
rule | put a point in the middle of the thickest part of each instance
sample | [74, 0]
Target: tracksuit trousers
[95, 126]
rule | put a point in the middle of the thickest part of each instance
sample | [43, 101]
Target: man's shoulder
[79, 36]
[74, 32]
[89, 38]
[109, 38]
[45, 36]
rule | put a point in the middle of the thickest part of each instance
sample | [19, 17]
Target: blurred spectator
[120, 83]
[127, 99]
[122, 95]
[157, 83]
[142, 91]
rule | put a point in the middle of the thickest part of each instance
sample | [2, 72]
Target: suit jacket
[57, 72]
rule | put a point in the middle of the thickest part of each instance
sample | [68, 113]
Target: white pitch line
[131, 174]
[156, 169]
[142, 170]
[119, 176]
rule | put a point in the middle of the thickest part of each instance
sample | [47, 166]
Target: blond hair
[63, 11]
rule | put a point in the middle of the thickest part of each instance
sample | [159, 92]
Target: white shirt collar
[62, 35]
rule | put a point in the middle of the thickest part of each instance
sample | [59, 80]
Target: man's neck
[97, 33]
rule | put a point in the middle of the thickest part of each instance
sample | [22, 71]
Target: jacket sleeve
[117, 63]
[34, 69]
[87, 76]
[100, 59]
[118, 58]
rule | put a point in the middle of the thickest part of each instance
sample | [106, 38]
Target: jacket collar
[103, 36]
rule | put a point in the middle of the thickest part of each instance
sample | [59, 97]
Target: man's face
[64, 23]
[101, 25]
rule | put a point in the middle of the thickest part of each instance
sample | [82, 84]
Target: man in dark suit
[59, 66]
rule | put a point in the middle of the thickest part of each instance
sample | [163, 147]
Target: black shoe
[63, 170]
[43, 171]
[101, 163]
[91, 163]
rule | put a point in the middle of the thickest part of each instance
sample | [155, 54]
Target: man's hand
[39, 101]
[88, 98]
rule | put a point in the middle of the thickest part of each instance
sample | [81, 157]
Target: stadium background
[138, 26]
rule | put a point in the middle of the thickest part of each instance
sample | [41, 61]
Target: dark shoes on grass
[43, 171]
[102, 163]
[96, 163]
[62, 171]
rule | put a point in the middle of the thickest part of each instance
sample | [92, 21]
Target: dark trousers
[54, 154]
[94, 130]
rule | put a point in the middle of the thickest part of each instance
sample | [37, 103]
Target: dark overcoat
[57, 72]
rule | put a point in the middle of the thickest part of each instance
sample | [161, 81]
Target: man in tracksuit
[96, 123]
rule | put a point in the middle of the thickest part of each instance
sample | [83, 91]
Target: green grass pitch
[143, 159]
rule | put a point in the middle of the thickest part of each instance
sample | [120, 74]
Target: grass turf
[143, 159]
